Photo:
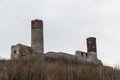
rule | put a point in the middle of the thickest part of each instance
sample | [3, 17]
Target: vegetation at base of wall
[36, 68]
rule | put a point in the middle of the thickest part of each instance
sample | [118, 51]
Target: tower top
[36, 24]
[91, 38]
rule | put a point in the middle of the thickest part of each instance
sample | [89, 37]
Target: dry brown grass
[53, 69]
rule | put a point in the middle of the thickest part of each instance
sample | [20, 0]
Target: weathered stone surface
[37, 47]
[81, 56]
[87, 57]
[59, 55]
[37, 42]
[36, 24]
[91, 44]
[20, 51]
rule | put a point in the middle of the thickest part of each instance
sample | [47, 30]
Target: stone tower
[37, 42]
[91, 44]
[92, 50]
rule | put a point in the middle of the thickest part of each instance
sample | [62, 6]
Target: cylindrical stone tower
[91, 44]
[37, 42]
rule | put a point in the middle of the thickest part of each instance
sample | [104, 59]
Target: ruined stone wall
[20, 51]
[60, 55]
[87, 57]
[81, 56]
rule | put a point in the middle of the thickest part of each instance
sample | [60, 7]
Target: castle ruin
[20, 51]
[37, 46]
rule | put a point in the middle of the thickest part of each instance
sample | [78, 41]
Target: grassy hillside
[54, 69]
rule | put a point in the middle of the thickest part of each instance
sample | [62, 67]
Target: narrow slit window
[14, 51]
[82, 54]
[86, 55]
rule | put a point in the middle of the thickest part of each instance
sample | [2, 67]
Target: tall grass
[54, 69]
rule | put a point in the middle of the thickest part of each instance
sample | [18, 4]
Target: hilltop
[31, 63]
[36, 68]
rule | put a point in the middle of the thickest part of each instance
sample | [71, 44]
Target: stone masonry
[37, 36]
[20, 51]
[37, 46]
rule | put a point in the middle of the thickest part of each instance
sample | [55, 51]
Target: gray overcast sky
[67, 24]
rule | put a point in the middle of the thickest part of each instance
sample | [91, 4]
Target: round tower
[37, 42]
[91, 44]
